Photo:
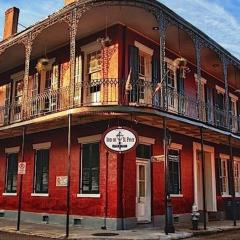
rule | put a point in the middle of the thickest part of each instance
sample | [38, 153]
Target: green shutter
[218, 170]
[230, 176]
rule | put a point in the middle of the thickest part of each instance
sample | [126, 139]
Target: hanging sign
[22, 168]
[120, 139]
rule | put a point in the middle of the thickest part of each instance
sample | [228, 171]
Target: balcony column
[73, 23]
[225, 76]
[163, 24]
[198, 47]
[28, 50]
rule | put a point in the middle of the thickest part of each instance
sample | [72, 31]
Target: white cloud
[213, 19]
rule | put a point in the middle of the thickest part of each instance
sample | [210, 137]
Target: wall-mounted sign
[22, 168]
[158, 158]
[120, 139]
[61, 181]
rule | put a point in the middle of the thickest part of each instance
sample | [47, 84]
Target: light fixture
[155, 28]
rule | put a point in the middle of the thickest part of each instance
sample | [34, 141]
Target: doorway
[210, 182]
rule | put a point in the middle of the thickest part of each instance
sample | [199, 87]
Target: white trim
[203, 80]
[220, 89]
[39, 146]
[146, 140]
[226, 195]
[82, 195]
[90, 139]
[17, 76]
[9, 194]
[224, 156]
[233, 97]
[12, 149]
[236, 158]
[39, 194]
[176, 195]
[210, 149]
[143, 48]
[176, 146]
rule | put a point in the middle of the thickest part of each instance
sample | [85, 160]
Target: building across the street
[134, 64]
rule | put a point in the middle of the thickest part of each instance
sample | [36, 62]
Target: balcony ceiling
[136, 18]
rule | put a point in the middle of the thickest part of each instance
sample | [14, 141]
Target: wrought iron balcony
[107, 92]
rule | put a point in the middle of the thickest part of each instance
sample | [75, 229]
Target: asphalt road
[220, 236]
[233, 235]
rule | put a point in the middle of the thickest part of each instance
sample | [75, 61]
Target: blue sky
[220, 19]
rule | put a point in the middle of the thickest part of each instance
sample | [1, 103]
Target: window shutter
[180, 82]
[238, 113]
[134, 66]
[209, 103]
[155, 80]
[230, 176]
[218, 170]
[180, 90]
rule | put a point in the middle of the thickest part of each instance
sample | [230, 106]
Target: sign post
[21, 172]
[119, 140]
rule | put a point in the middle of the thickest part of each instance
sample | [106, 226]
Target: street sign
[22, 168]
[120, 139]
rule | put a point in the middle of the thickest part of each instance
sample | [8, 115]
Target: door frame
[147, 163]
[206, 148]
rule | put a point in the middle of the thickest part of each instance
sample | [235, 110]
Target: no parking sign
[22, 168]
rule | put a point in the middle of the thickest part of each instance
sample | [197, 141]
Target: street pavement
[30, 231]
[231, 235]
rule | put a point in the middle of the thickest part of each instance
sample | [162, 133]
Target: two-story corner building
[116, 63]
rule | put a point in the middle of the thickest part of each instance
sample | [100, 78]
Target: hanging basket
[43, 65]
[180, 62]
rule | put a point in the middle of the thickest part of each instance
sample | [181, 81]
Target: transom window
[11, 174]
[90, 168]
[143, 151]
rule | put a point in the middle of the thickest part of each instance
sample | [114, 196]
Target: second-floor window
[11, 173]
[94, 70]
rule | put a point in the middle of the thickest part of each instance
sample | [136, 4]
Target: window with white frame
[90, 162]
[171, 84]
[174, 166]
[11, 173]
[233, 111]
[237, 176]
[41, 175]
[224, 175]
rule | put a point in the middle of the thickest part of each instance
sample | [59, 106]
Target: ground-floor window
[41, 171]
[174, 171]
[237, 176]
[143, 151]
[90, 168]
[224, 176]
[11, 173]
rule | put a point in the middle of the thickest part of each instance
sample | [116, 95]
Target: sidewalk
[58, 232]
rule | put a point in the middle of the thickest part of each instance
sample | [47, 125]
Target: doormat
[107, 234]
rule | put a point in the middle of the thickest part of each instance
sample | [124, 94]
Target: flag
[128, 86]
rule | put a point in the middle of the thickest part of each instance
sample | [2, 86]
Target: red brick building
[116, 63]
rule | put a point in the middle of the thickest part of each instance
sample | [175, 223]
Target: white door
[210, 192]
[143, 194]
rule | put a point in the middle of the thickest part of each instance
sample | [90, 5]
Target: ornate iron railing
[117, 92]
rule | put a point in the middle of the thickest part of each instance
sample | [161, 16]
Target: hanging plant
[43, 65]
